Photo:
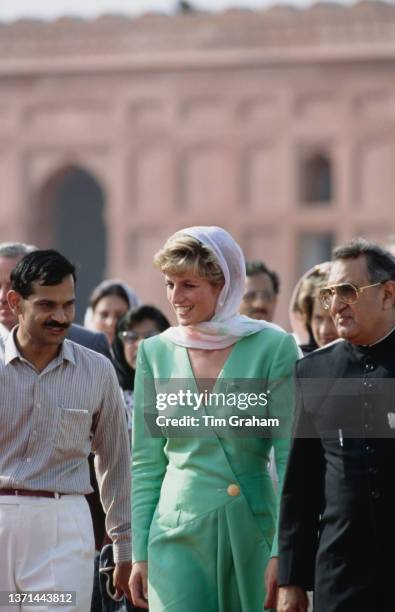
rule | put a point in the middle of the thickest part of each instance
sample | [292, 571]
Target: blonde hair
[309, 290]
[182, 253]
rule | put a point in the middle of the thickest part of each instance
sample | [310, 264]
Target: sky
[11, 10]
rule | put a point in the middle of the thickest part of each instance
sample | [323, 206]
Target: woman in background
[312, 324]
[109, 301]
[137, 324]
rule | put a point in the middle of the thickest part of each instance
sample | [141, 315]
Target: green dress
[204, 512]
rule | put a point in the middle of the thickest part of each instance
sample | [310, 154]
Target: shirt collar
[4, 332]
[67, 351]
[11, 351]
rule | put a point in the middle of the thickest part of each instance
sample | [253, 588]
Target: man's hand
[292, 599]
[120, 580]
[138, 584]
[271, 583]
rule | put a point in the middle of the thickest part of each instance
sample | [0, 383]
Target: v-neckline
[220, 373]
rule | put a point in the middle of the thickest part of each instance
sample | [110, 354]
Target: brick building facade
[277, 124]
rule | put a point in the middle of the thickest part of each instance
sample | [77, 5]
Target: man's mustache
[55, 325]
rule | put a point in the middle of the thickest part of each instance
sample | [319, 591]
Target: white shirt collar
[11, 351]
[4, 331]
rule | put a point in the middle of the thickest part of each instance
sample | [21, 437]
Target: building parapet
[323, 26]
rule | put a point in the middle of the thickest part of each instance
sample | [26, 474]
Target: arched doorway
[70, 218]
[316, 184]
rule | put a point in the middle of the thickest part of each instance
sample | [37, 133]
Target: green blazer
[176, 480]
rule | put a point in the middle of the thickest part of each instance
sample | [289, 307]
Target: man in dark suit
[95, 341]
[337, 531]
[10, 254]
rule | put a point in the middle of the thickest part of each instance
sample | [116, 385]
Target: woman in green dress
[204, 510]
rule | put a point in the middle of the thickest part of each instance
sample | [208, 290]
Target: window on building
[313, 249]
[316, 180]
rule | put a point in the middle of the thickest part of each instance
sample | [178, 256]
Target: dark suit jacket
[337, 533]
[90, 339]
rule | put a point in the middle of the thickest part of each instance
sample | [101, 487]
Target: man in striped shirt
[58, 401]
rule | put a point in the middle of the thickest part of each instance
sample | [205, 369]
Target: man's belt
[27, 493]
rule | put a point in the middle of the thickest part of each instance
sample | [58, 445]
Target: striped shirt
[50, 422]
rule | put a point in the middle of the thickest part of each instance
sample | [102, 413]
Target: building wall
[203, 120]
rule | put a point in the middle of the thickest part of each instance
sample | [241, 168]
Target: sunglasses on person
[128, 337]
[346, 292]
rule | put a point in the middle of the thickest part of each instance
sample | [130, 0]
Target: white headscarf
[227, 326]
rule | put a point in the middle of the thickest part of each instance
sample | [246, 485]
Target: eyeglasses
[346, 292]
[264, 294]
[128, 337]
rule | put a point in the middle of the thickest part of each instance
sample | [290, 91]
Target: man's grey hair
[12, 250]
[379, 262]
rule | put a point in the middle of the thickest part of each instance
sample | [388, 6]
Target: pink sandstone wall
[203, 119]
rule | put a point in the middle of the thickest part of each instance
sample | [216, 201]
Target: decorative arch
[69, 215]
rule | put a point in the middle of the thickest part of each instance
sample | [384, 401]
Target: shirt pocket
[73, 431]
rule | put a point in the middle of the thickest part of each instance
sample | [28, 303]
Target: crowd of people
[295, 498]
